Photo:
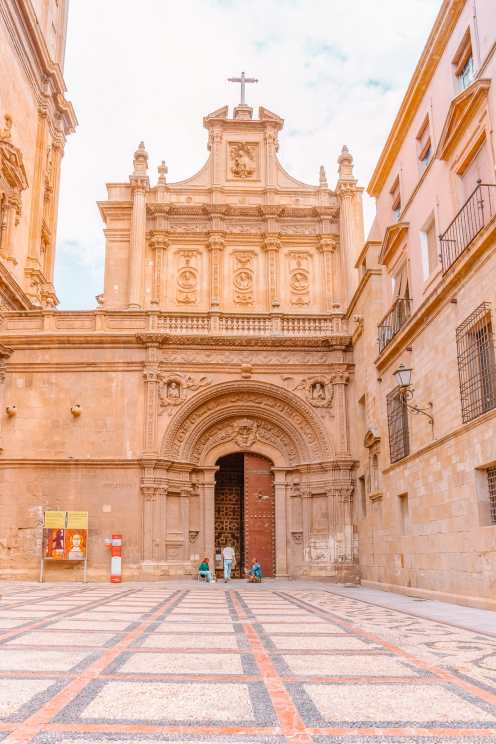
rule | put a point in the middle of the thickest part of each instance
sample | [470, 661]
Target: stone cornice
[461, 111]
[441, 32]
[12, 292]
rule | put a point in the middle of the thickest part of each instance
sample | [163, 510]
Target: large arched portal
[245, 511]
[294, 496]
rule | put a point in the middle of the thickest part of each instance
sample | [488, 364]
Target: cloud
[335, 71]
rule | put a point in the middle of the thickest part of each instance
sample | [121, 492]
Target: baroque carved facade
[221, 330]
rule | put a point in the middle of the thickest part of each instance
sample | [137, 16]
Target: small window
[428, 241]
[363, 495]
[463, 64]
[424, 147]
[396, 199]
[399, 437]
[476, 363]
[404, 514]
[478, 170]
[491, 488]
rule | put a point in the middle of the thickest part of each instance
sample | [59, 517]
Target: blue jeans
[227, 569]
[208, 574]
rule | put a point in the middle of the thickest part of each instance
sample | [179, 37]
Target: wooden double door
[245, 510]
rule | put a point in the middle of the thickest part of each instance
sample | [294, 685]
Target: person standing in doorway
[228, 556]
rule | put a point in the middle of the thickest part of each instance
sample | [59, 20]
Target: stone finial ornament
[140, 160]
[162, 173]
[322, 178]
[345, 162]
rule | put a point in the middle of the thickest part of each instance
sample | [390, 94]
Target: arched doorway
[245, 510]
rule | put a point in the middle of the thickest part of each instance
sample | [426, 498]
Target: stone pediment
[460, 113]
[393, 237]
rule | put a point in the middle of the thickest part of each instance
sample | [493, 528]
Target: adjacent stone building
[426, 481]
[241, 381]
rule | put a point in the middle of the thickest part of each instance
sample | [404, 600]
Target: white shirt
[228, 553]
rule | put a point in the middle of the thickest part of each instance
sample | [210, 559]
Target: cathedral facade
[205, 401]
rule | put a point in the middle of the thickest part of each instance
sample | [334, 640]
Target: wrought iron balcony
[394, 320]
[476, 213]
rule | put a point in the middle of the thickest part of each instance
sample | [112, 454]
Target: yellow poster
[54, 520]
[77, 520]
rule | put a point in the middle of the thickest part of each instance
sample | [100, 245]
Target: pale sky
[336, 71]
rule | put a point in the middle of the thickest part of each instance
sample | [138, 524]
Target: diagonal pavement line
[32, 725]
[56, 616]
[409, 613]
[442, 674]
[292, 725]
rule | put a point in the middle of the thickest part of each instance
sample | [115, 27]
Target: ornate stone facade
[221, 330]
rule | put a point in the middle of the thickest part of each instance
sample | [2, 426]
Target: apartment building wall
[424, 520]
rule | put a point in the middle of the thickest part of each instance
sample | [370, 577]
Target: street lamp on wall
[403, 377]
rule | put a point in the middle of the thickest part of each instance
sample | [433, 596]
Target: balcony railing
[475, 214]
[394, 320]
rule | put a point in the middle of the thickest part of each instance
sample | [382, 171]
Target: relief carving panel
[243, 273]
[242, 162]
[187, 277]
[299, 277]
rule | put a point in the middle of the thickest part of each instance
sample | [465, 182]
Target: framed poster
[65, 538]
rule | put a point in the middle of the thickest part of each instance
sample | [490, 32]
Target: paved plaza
[209, 664]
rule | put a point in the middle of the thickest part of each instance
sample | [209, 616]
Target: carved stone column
[327, 248]
[271, 148]
[57, 155]
[282, 532]
[346, 190]
[159, 244]
[271, 246]
[34, 241]
[148, 521]
[152, 380]
[136, 265]
[5, 353]
[208, 487]
[340, 379]
[216, 246]
[306, 503]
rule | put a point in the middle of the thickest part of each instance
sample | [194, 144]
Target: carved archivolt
[245, 433]
[244, 414]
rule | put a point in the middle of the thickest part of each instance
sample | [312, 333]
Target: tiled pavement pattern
[199, 664]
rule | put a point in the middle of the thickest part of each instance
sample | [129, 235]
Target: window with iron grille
[397, 412]
[491, 487]
[476, 363]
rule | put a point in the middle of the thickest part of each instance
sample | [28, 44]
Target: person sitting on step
[204, 570]
[255, 573]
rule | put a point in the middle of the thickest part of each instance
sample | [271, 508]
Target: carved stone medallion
[318, 391]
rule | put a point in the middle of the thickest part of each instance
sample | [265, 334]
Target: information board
[65, 537]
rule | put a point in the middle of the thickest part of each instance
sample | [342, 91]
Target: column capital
[346, 189]
[216, 242]
[271, 242]
[340, 377]
[158, 240]
[327, 243]
[139, 183]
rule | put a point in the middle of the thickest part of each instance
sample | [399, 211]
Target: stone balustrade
[180, 324]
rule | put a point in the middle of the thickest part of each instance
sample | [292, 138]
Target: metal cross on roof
[243, 80]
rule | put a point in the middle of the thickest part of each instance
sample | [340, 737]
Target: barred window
[397, 412]
[476, 363]
[491, 486]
